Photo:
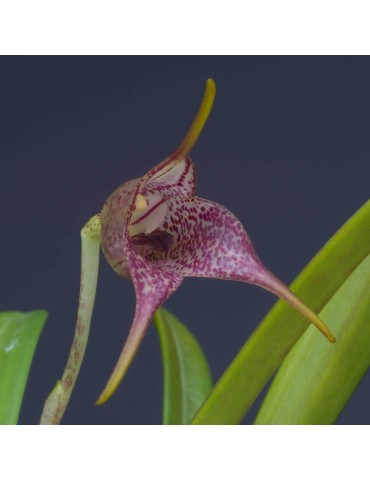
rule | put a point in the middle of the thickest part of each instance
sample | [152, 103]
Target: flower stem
[57, 401]
[199, 121]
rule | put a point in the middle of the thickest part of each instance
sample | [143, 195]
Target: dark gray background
[287, 149]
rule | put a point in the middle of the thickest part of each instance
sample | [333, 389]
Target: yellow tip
[110, 388]
[278, 288]
[199, 121]
[130, 348]
[314, 319]
[141, 203]
[309, 314]
[102, 399]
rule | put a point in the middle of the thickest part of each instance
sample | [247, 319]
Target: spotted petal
[131, 239]
[153, 287]
[211, 242]
[134, 241]
[156, 231]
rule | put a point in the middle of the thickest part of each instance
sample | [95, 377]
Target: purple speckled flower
[156, 231]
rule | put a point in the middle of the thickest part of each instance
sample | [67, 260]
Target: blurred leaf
[187, 378]
[19, 333]
[265, 350]
[316, 380]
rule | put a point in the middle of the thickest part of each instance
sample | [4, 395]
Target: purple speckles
[156, 231]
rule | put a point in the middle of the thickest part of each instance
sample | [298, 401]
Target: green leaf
[19, 333]
[267, 347]
[316, 380]
[187, 378]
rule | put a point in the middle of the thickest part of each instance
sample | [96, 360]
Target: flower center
[153, 245]
[148, 215]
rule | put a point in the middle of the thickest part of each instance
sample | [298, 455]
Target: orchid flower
[155, 231]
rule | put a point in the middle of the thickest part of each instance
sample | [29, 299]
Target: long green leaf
[315, 381]
[264, 351]
[19, 333]
[187, 378]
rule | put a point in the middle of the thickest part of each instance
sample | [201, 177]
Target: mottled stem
[57, 401]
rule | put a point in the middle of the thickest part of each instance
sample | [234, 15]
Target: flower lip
[147, 212]
[149, 219]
